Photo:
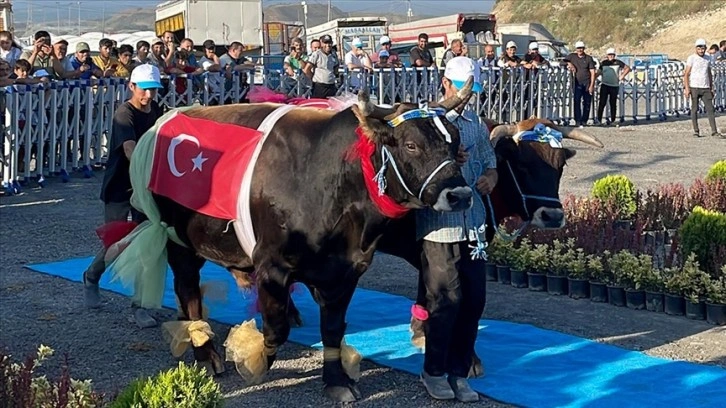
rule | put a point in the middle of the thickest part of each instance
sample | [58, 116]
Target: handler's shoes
[437, 386]
[90, 292]
[462, 389]
[143, 319]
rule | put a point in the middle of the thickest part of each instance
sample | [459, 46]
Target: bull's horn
[503, 131]
[461, 95]
[369, 109]
[577, 134]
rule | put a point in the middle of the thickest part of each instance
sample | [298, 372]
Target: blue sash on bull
[541, 133]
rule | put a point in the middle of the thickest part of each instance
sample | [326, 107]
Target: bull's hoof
[212, 367]
[477, 369]
[340, 393]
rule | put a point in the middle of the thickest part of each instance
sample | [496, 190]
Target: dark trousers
[608, 94]
[455, 298]
[111, 212]
[583, 100]
[706, 96]
[323, 90]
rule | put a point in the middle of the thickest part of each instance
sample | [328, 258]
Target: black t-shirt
[129, 123]
[582, 67]
[425, 55]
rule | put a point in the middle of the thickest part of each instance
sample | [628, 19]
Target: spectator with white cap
[509, 58]
[613, 71]
[583, 66]
[393, 58]
[698, 84]
[533, 59]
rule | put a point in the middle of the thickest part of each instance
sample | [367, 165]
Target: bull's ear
[570, 153]
[374, 129]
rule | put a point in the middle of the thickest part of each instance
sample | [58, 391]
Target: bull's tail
[140, 258]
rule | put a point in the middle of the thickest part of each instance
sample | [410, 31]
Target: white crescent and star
[197, 161]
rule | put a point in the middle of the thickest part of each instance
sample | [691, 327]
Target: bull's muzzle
[454, 199]
[549, 218]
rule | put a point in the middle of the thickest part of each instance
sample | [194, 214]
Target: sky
[50, 10]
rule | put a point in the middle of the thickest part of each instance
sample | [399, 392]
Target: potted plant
[620, 266]
[578, 276]
[495, 257]
[520, 263]
[598, 278]
[539, 265]
[504, 251]
[561, 256]
[639, 275]
[716, 300]
[695, 292]
[674, 284]
[653, 284]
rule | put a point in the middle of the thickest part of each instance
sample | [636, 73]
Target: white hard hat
[610, 51]
[534, 46]
[384, 39]
[511, 44]
[700, 42]
[579, 44]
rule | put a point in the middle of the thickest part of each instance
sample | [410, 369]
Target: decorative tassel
[479, 250]
[380, 179]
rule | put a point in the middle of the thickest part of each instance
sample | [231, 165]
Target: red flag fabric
[199, 163]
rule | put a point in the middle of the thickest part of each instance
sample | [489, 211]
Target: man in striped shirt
[454, 280]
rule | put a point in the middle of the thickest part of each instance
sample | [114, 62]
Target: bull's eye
[411, 146]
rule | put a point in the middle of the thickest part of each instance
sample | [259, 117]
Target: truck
[343, 30]
[549, 46]
[474, 29]
[222, 21]
[278, 35]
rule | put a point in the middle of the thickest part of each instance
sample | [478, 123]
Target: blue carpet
[525, 365]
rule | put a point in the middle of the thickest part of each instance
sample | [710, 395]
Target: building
[6, 16]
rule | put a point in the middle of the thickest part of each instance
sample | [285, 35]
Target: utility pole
[409, 13]
[305, 15]
[103, 25]
[79, 18]
[57, 12]
[329, 7]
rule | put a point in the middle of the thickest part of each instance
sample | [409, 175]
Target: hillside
[631, 26]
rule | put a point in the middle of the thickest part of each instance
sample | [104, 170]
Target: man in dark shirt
[130, 121]
[583, 66]
[420, 55]
[613, 71]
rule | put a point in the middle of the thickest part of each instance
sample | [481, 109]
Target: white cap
[459, 69]
[357, 42]
[511, 44]
[384, 39]
[534, 46]
[700, 42]
[610, 51]
[146, 76]
[579, 44]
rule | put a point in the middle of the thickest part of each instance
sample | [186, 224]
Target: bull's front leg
[191, 327]
[340, 381]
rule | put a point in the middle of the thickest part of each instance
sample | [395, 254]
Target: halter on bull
[316, 220]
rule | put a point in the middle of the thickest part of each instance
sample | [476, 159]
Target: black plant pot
[504, 274]
[491, 272]
[598, 292]
[635, 299]
[674, 305]
[557, 285]
[716, 314]
[616, 295]
[654, 301]
[696, 311]
[537, 282]
[519, 278]
[578, 288]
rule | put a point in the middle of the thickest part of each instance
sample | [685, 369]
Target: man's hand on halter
[485, 184]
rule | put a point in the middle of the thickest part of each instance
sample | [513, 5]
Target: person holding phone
[41, 56]
[82, 64]
[104, 61]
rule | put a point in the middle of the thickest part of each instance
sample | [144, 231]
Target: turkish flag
[200, 163]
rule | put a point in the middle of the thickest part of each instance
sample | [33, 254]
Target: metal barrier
[57, 128]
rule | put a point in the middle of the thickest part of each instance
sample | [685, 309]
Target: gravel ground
[58, 221]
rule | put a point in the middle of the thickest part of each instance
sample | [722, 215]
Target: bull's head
[530, 171]
[417, 148]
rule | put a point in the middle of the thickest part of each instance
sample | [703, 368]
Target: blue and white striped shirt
[448, 227]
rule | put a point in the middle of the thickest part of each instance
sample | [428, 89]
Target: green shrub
[717, 171]
[704, 233]
[181, 387]
[578, 266]
[520, 256]
[20, 388]
[618, 190]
